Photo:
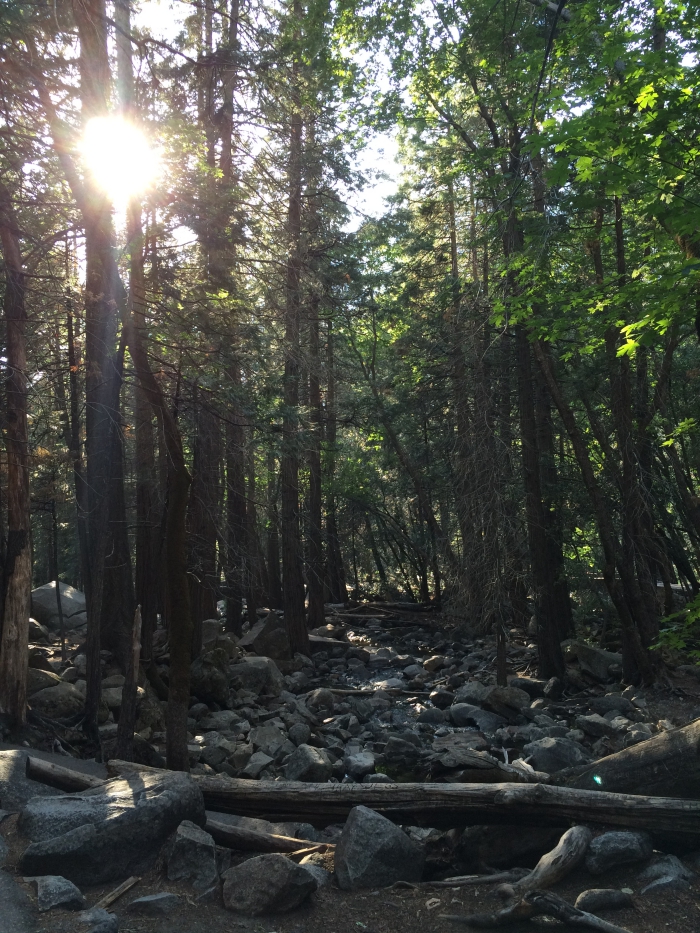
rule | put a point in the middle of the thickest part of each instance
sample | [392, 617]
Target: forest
[229, 387]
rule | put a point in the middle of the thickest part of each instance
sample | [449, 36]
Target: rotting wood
[114, 895]
[438, 805]
[553, 866]
[551, 905]
[251, 840]
[46, 772]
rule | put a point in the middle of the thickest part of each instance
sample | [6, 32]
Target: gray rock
[321, 874]
[268, 739]
[109, 925]
[193, 857]
[596, 725]
[533, 688]
[373, 852]
[465, 714]
[321, 699]
[107, 833]
[300, 733]
[359, 764]
[378, 778]
[4, 851]
[58, 702]
[258, 675]
[666, 873]
[56, 891]
[307, 764]
[39, 680]
[155, 905]
[610, 702]
[617, 848]
[595, 899]
[433, 716]
[555, 754]
[209, 677]
[45, 610]
[38, 633]
[268, 884]
[225, 720]
[597, 661]
[256, 765]
[269, 638]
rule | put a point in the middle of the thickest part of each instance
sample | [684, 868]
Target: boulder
[268, 884]
[372, 852]
[209, 677]
[56, 891]
[268, 638]
[595, 899]
[40, 680]
[107, 833]
[666, 873]
[155, 905]
[321, 699]
[555, 754]
[307, 764]
[225, 720]
[617, 848]
[58, 702]
[359, 764]
[257, 763]
[257, 675]
[596, 725]
[193, 857]
[268, 739]
[45, 610]
[38, 633]
[597, 661]
[299, 733]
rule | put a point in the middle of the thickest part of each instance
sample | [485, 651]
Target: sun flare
[119, 157]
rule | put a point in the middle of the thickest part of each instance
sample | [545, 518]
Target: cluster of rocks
[360, 709]
[126, 826]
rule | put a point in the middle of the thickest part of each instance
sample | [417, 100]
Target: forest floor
[401, 910]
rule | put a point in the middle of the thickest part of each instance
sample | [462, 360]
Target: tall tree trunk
[337, 589]
[235, 503]
[203, 510]
[273, 537]
[177, 605]
[102, 379]
[17, 569]
[292, 572]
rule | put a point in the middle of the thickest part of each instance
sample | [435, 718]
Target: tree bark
[292, 572]
[17, 570]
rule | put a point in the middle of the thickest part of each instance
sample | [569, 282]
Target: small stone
[617, 848]
[307, 763]
[300, 733]
[377, 779]
[322, 875]
[155, 905]
[441, 698]
[554, 689]
[595, 725]
[373, 852]
[193, 857]
[596, 899]
[465, 714]
[267, 884]
[108, 925]
[434, 663]
[56, 891]
[256, 765]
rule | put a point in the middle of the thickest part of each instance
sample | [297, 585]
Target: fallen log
[449, 805]
[438, 805]
[46, 772]
[251, 840]
[667, 764]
